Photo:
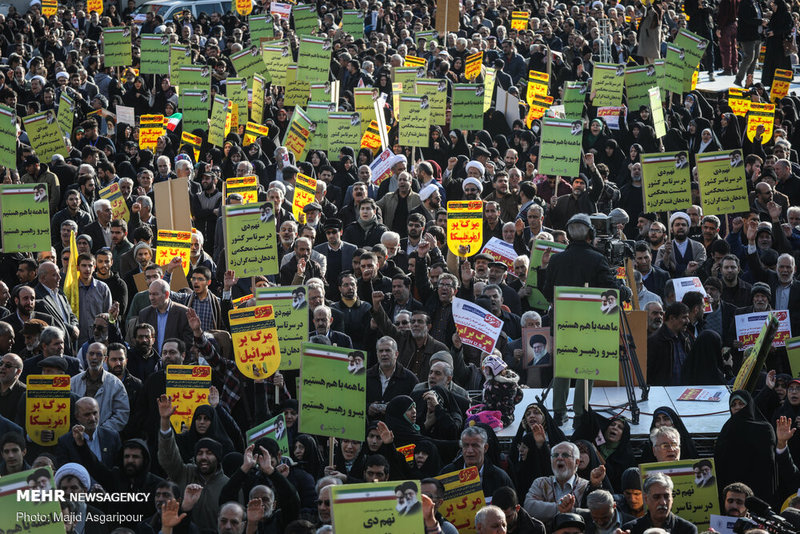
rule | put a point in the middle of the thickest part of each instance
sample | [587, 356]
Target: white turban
[476, 164]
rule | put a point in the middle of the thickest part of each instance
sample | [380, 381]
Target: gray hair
[599, 499]
[390, 236]
[145, 202]
[669, 432]
[324, 308]
[657, 479]
[99, 204]
[530, 315]
[130, 182]
[576, 452]
[199, 235]
[6, 329]
[163, 284]
[71, 224]
[326, 481]
[577, 231]
[472, 431]
[389, 340]
[483, 513]
[49, 334]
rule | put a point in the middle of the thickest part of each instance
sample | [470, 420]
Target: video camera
[760, 515]
[607, 240]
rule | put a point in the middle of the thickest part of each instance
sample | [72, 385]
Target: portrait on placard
[537, 356]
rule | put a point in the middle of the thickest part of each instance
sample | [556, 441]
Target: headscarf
[703, 366]
[618, 456]
[312, 462]
[688, 449]
[405, 431]
[186, 441]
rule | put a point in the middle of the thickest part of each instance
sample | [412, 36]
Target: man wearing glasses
[565, 489]
[666, 444]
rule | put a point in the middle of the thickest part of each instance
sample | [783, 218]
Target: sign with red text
[476, 326]
[748, 327]
[187, 388]
[255, 341]
[47, 407]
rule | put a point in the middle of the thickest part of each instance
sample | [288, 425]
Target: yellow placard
[465, 226]
[194, 141]
[539, 105]
[47, 407]
[537, 85]
[255, 341]
[244, 7]
[472, 66]
[49, 7]
[519, 20]
[187, 388]
[253, 130]
[305, 190]
[414, 61]
[173, 243]
[780, 84]
[372, 137]
[738, 101]
[760, 114]
[247, 186]
[151, 127]
[94, 5]
[119, 208]
[463, 497]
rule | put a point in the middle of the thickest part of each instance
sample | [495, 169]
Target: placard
[391, 507]
[151, 127]
[298, 133]
[464, 226]
[748, 327]
[290, 304]
[305, 191]
[586, 333]
[306, 20]
[723, 188]
[187, 388]
[519, 20]
[476, 326]
[781, 81]
[45, 135]
[329, 372]
[119, 208]
[467, 109]
[608, 80]
[500, 251]
[574, 98]
[760, 114]
[116, 46]
[251, 242]
[694, 493]
[638, 80]
[413, 117]
[219, 116]
[155, 53]
[255, 341]
[693, 47]
[314, 58]
[174, 244]
[657, 112]
[25, 212]
[47, 407]
[793, 352]
[274, 428]
[666, 181]
[8, 136]
[66, 114]
[561, 145]
[248, 62]
[247, 186]
[48, 512]
[344, 130]
[472, 65]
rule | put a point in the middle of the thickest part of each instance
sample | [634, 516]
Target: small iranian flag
[172, 121]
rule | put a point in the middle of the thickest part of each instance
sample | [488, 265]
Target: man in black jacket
[474, 452]
[748, 33]
[518, 520]
[667, 344]
[657, 489]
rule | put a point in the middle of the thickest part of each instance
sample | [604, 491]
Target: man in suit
[100, 229]
[102, 441]
[167, 317]
[25, 302]
[322, 323]
[50, 299]
[51, 341]
[338, 253]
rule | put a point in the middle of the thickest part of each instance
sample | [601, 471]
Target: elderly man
[666, 442]
[100, 229]
[682, 256]
[657, 489]
[11, 389]
[388, 378]
[564, 490]
[105, 388]
[474, 444]
[603, 517]
[50, 299]
[104, 443]
[490, 520]
[167, 317]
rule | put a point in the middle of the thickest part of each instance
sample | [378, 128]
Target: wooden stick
[330, 451]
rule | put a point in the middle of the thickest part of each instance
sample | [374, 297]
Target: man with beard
[104, 387]
[734, 290]
[656, 236]
[51, 342]
[11, 388]
[582, 198]
[431, 199]
[511, 322]
[415, 225]
[143, 360]
[323, 319]
[401, 298]
[117, 365]
[667, 349]
[24, 301]
[492, 223]
[366, 231]
[166, 491]
[681, 256]
[206, 469]
[300, 267]
[508, 201]
[131, 474]
[338, 253]
[655, 316]
[397, 205]
[205, 205]
[474, 445]
[104, 271]
[703, 474]
[733, 499]
[658, 497]
[103, 443]
[543, 501]
[355, 312]
[472, 188]
[416, 346]
[399, 380]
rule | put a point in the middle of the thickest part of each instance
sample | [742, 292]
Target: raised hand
[248, 459]
[597, 475]
[169, 514]
[77, 435]
[377, 299]
[265, 461]
[387, 436]
[213, 396]
[229, 280]
[194, 322]
[190, 496]
[784, 431]
[538, 434]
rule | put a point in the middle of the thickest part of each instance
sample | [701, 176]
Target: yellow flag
[71, 277]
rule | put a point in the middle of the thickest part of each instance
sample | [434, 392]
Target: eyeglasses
[671, 446]
[565, 455]
[793, 389]
[402, 323]
[446, 286]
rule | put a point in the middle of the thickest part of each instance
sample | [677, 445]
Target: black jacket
[660, 352]
[674, 525]
[401, 382]
[577, 265]
[492, 477]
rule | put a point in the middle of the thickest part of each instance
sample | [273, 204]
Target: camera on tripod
[607, 239]
[760, 515]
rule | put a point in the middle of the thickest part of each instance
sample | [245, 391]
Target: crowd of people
[381, 279]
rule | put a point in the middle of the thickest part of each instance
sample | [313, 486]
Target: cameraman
[578, 265]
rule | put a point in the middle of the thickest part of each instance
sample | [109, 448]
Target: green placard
[216, 127]
[327, 373]
[45, 134]
[8, 136]
[306, 20]
[608, 80]
[536, 299]
[29, 516]
[117, 46]
[321, 92]
[695, 495]
[236, 91]
[353, 23]
[637, 82]
[667, 181]
[364, 105]
[277, 58]
[723, 188]
[426, 36]
[314, 58]
[193, 76]
[290, 304]
[407, 76]
[248, 62]
[195, 104]
[261, 27]
[297, 90]
[155, 54]
[178, 56]
[693, 47]
[257, 105]
[657, 112]
[574, 97]
[344, 129]
[673, 71]
[66, 113]
[560, 150]
[413, 118]
[587, 333]
[467, 111]
[436, 92]
[317, 112]
[26, 217]
[250, 244]
[390, 507]
[274, 428]
[793, 352]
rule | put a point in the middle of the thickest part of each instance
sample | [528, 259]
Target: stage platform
[703, 419]
[722, 83]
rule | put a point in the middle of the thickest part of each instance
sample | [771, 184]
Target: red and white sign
[476, 326]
